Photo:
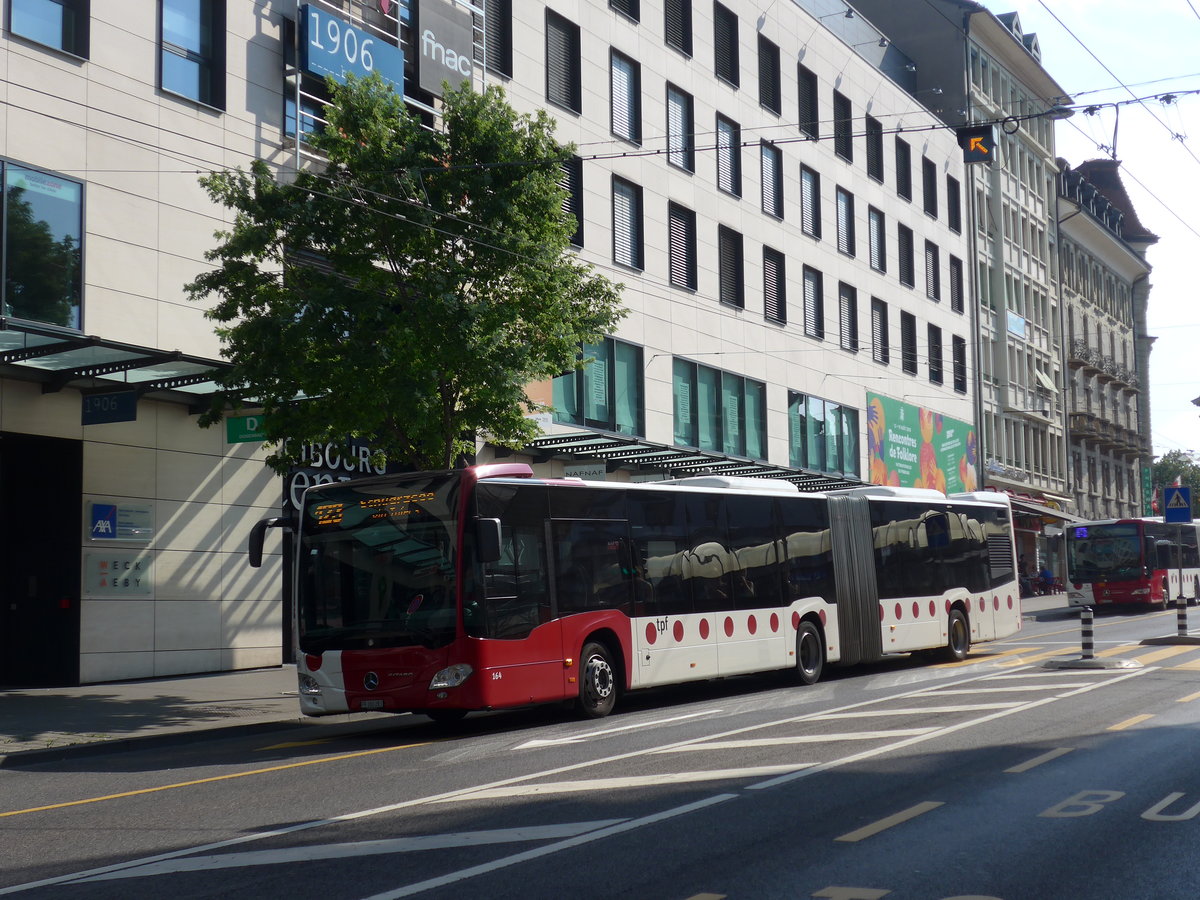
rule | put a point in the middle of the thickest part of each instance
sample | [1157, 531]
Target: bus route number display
[331, 46]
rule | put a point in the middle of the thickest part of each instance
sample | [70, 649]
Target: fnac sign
[446, 39]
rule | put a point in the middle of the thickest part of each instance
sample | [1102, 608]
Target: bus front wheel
[958, 637]
[597, 681]
[810, 653]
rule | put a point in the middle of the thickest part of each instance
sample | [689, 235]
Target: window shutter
[813, 313]
[561, 44]
[678, 139]
[730, 266]
[774, 286]
[678, 24]
[625, 99]
[876, 239]
[626, 228]
[682, 250]
[845, 221]
[810, 202]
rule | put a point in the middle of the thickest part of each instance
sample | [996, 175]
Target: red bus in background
[1132, 561]
[486, 588]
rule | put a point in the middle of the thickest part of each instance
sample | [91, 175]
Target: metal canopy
[1028, 508]
[58, 358]
[620, 449]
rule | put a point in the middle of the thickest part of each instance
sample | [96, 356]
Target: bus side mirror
[258, 532]
[487, 540]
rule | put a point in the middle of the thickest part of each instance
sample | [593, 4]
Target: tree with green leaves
[1179, 464]
[410, 288]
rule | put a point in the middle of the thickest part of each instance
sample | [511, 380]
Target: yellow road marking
[1193, 665]
[1189, 698]
[1164, 653]
[1115, 651]
[181, 784]
[895, 819]
[984, 656]
[1129, 723]
[1032, 658]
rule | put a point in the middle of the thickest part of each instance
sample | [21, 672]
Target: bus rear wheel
[810, 653]
[597, 681]
[958, 637]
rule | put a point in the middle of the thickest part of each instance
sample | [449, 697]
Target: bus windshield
[377, 564]
[1104, 552]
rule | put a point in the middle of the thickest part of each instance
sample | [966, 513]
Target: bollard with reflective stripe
[1089, 645]
[1181, 613]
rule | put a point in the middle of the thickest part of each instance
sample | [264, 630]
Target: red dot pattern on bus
[774, 623]
[678, 630]
[704, 629]
[728, 627]
[752, 624]
[651, 633]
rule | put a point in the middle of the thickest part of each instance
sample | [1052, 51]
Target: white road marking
[1038, 760]
[580, 738]
[1014, 689]
[800, 739]
[915, 711]
[631, 781]
[357, 848]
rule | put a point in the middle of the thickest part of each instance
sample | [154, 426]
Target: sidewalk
[38, 724]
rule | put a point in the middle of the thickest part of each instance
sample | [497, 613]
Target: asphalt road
[994, 778]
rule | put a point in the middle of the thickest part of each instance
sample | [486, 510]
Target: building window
[730, 267]
[719, 411]
[959, 361]
[607, 392]
[628, 8]
[681, 246]
[41, 248]
[875, 148]
[677, 24]
[810, 118]
[933, 272]
[843, 127]
[572, 183]
[769, 92]
[903, 169]
[935, 354]
[192, 41]
[845, 221]
[929, 186]
[60, 24]
[822, 436]
[814, 304]
[627, 223]
[772, 180]
[774, 286]
[848, 316]
[908, 343]
[497, 36]
[681, 129]
[563, 78]
[953, 204]
[905, 251]
[956, 284]
[725, 44]
[877, 237]
[880, 349]
[810, 202]
[729, 156]
[625, 78]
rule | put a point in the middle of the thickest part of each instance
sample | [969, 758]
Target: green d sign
[243, 429]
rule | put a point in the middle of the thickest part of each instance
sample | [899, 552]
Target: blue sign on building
[330, 46]
[116, 406]
[104, 521]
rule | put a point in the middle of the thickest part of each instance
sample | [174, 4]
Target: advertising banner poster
[911, 446]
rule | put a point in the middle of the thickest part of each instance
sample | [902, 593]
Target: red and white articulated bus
[486, 587]
[1132, 561]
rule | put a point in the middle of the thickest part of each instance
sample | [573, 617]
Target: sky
[1150, 47]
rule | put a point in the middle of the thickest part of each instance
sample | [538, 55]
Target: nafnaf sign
[331, 46]
[446, 38]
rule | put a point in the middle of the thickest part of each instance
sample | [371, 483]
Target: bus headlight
[451, 676]
[1140, 591]
[308, 684]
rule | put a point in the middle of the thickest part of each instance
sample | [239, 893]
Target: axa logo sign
[447, 45]
[104, 520]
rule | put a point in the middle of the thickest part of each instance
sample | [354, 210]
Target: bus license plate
[371, 704]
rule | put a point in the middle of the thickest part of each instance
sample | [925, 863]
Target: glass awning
[678, 461]
[60, 358]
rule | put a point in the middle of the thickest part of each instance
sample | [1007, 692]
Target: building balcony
[1106, 368]
[1080, 355]
[1083, 425]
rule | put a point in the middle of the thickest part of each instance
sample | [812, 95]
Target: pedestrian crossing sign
[1177, 504]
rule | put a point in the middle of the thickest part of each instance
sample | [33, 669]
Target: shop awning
[60, 358]
[1029, 508]
[678, 461]
[1046, 380]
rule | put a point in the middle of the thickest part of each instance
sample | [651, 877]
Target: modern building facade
[124, 523]
[1105, 284]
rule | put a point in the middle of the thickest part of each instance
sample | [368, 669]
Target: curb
[329, 729]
